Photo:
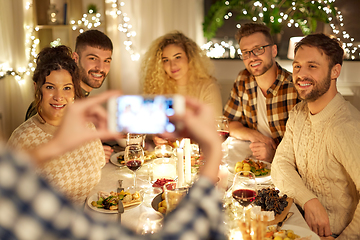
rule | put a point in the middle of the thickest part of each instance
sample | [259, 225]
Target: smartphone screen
[145, 114]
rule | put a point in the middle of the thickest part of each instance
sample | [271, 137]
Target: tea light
[164, 168]
[163, 151]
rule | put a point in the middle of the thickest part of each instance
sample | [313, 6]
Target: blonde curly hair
[153, 76]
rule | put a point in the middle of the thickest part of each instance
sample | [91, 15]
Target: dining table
[236, 150]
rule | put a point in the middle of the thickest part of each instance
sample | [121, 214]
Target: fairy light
[126, 28]
[31, 44]
[336, 23]
[87, 22]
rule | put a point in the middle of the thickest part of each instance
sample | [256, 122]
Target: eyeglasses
[256, 51]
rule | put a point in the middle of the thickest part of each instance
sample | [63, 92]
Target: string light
[336, 23]
[31, 45]
[125, 27]
[87, 22]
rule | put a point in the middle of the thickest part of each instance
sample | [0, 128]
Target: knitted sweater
[76, 172]
[208, 93]
[319, 158]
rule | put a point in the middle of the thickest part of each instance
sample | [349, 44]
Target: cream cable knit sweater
[319, 157]
[75, 173]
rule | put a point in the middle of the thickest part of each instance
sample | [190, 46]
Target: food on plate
[147, 157]
[273, 234]
[110, 200]
[161, 182]
[255, 166]
[269, 200]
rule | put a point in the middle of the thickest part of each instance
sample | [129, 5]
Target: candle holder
[164, 168]
[164, 151]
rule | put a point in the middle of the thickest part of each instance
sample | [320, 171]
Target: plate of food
[107, 201]
[259, 168]
[290, 232]
[118, 158]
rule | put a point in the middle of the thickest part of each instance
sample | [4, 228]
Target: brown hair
[52, 59]
[93, 38]
[250, 28]
[329, 45]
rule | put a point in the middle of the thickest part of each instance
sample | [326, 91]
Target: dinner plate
[114, 159]
[95, 197]
[302, 232]
[265, 179]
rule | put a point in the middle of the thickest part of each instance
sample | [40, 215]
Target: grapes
[269, 200]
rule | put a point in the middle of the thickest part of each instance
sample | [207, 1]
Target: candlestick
[180, 167]
[187, 149]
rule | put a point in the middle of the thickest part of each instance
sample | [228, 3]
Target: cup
[164, 168]
[149, 222]
[163, 151]
[173, 195]
[149, 194]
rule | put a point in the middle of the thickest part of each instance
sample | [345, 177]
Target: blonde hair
[154, 78]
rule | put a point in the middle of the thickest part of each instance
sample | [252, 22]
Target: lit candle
[164, 168]
[180, 167]
[187, 149]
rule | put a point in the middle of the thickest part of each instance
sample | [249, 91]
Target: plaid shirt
[31, 209]
[280, 99]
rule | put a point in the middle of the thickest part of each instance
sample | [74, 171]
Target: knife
[120, 203]
[279, 225]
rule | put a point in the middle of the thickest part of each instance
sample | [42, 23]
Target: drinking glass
[222, 127]
[134, 159]
[244, 189]
[173, 195]
[149, 222]
[133, 138]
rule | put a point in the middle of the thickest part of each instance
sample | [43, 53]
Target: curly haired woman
[57, 85]
[175, 64]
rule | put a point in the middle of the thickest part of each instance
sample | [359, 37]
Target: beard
[319, 88]
[262, 71]
[88, 81]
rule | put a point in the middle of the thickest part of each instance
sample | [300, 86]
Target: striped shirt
[280, 99]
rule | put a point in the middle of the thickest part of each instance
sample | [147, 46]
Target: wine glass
[222, 127]
[244, 189]
[149, 222]
[134, 158]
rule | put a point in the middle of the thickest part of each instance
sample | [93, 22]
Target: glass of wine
[244, 189]
[222, 126]
[134, 159]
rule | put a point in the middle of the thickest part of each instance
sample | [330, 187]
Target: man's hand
[262, 151]
[317, 218]
[108, 151]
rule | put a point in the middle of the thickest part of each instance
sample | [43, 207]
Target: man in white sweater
[317, 163]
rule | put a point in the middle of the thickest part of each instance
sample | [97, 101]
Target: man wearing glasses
[262, 95]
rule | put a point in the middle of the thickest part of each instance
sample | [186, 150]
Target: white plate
[114, 159]
[95, 197]
[302, 232]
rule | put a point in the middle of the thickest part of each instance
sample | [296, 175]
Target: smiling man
[317, 162]
[262, 95]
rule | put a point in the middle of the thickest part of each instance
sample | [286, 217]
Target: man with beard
[317, 162]
[262, 95]
[93, 51]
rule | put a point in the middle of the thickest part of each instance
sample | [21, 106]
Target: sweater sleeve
[283, 170]
[211, 96]
[346, 149]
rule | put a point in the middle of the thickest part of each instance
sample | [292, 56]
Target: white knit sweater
[319, 157]
[74, 173]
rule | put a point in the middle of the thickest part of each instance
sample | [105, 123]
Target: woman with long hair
[57, 85]
[175, 64]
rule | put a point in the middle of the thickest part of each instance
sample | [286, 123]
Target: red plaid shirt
[280, 99]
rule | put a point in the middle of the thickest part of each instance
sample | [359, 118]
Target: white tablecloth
[111, 174]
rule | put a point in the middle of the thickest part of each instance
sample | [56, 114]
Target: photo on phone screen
[145, 114]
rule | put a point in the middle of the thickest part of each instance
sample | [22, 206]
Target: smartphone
[146, 114]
